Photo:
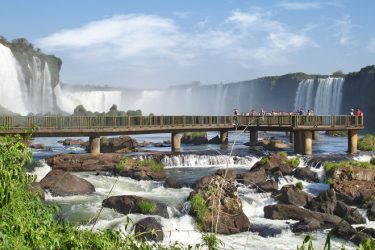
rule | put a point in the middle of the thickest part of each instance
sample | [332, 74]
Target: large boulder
[306, 174]
[325, 202]
[196, 138]
[62, 183]
[117, 144]
[141, 173]
[290, 194]
[268, 186]
[84, 162]
[216, 205]
[354, 192]
[371, 211]
[351, 215]
[171, 182]
[149, 229]
[273, 163]
[253, 177]
[352, 173]
[215, 140]
[131, 204]
[74, 142]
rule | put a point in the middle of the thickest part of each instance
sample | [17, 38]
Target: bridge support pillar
[224, 137]
[176, 142]
[352, 141]
[307, 138]
[94, 144]
[291, 137]
[298, 142]
[315, 135]
[253, 136]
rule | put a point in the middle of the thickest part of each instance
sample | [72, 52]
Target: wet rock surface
[290, 194]
[149, 229]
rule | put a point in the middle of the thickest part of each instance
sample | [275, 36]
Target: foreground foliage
[27, 223]
[367, 143]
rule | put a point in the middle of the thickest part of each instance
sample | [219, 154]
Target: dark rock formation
[117, 144]
[196, 139]
[61, 183]
[290, 194]
[268, 186]
[324, 203]
[371, 211]
[41, 147]
[84, 162]
[141, 173]
[306, 174]
[351, 215]
[252, 177]
[219, 205]
[74, 142]
[215, 140]
[131, 204]
[354, 192]
[149, 229]
[273, 163]
[171, 182]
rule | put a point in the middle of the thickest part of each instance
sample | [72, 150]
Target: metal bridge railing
[102, 122]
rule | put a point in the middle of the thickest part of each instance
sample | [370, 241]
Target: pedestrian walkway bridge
[301, 128]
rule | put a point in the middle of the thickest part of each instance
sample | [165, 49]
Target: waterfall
[329, 96]
[323, 95]
[11, 82]
[193, 160]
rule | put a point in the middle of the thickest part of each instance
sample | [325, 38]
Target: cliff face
[359, 91]
[38, 75]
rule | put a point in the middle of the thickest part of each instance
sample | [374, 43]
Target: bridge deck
[50, 126]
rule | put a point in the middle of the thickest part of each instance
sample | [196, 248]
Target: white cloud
[182, 15]
[371, 45]
[343, 30]
[249, 39]
[309, 5]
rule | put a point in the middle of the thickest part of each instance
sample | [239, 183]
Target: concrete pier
[291, 137]
[176, 142]
[94, 144]
[307, 138]
[224, 137]
[315, 135]
[297, 142]
[253, 136]
[352, 141]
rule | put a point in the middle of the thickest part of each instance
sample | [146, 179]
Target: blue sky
[154, 44]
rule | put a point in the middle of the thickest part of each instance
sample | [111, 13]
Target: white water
[11, 82]
[324, 96]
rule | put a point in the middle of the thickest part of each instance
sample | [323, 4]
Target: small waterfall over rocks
[324, 96]
[194, 160]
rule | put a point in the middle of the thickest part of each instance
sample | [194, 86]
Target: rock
[369, 231]
[61, 183]
[73, 142]
[308, 219]
[41, 147]
[306, 174]
[171, 182]
[352, 173]
[37, 189]
[353, 192]
[349, 233]
[195, 139]
[131, 204]
[252, 177]
[219, 206]
[351, 215]
[142, 173]
[265, 230]
[227, 173]
[84, 162]
[118, 144]
[276, 145]
[268, 186]
[215, 140]
[325, 202]
[149, 229]
[273, 163]
[371, 211]
[290, 194]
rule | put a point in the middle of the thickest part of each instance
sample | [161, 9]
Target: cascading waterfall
[193, 160]
[11, 82]
[324, 96]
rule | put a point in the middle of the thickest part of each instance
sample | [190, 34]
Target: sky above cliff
[154, 44]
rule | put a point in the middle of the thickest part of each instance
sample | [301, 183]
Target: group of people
[262, 112]
[357, 112]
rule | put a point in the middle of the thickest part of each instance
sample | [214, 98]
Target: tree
[80, 111]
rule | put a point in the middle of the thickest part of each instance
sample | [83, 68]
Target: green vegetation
[282, 153]
[147, 207]
[123, 163]
[294, 162]
[366, 244]
[299, 185]
[367, 143]
[337, 133]
[198, 205]
[264, 160]
[372, 161]
[331, 166]
[113, 111]
[104, 139]
[153, 165]
[195, 134]
[211, 241]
